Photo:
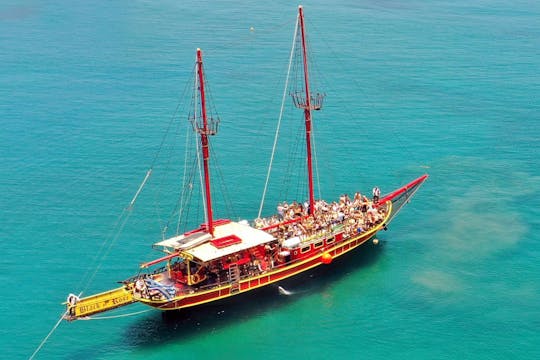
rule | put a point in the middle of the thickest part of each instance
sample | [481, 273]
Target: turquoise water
[451, 88]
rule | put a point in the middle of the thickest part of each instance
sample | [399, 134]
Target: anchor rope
[111, 239]
[48, 336]
[124, 216]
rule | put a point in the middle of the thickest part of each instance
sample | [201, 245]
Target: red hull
[274, 276]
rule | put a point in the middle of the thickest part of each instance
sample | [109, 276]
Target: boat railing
[250, 270]
[315, 103]
[211, 127]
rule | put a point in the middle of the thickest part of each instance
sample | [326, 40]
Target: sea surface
[448, 88]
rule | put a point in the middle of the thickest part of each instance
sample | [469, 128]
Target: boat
[223, 258]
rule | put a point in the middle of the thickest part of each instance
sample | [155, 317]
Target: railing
[316, 101]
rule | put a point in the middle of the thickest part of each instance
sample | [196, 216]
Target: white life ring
[72, 299]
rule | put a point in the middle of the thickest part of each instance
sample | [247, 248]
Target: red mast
[205, 131]
[307, 113]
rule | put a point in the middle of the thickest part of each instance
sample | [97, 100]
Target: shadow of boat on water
[162, 327]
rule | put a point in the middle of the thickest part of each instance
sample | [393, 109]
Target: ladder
[234, 278]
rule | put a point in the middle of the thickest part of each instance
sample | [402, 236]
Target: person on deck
[376, 194]
[280, 210]
[373, 215]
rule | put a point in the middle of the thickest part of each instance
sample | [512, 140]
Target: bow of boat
[401, 196]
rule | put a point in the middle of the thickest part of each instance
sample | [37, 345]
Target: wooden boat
[224, 258]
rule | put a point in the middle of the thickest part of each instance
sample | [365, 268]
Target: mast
[204, 131]
[307, 113]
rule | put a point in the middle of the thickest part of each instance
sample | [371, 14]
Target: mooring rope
[104, 250]
[114, 316]
[50, 333]
[48, 336]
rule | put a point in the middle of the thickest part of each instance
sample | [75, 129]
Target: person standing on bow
[376, 194]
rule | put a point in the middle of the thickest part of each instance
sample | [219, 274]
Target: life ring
[72, 299]
[195, 279]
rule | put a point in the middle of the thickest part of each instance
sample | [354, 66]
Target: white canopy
[199, 246]
[182, 242]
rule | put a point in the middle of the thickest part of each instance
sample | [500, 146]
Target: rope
[103, 251]
[122, 219]
[85, 318]
[48, 336]
[50, 333]
[184, 174]
[279, 121]
[224, 192]
[181, 106]
[317, 176]
[366, 102]
[121, 315]
[107, 250]
[115, 316]
[408, 197]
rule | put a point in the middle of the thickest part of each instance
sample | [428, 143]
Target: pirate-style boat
[224, 258]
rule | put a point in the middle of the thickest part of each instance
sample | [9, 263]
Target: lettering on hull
[102, 302]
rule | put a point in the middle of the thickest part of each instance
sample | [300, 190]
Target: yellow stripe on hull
[270, 277]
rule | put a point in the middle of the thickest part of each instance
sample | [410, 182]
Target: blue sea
[448, 88]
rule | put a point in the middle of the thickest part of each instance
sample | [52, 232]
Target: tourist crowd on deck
[347, 216]
[356, 215]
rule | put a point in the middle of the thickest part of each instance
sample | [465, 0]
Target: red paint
[204, 145]
[247, 285]
[239, 262]
[285, 222]
[307, 113]
[203, 227]
[226, 241]
[401, 190]
[150, 263]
